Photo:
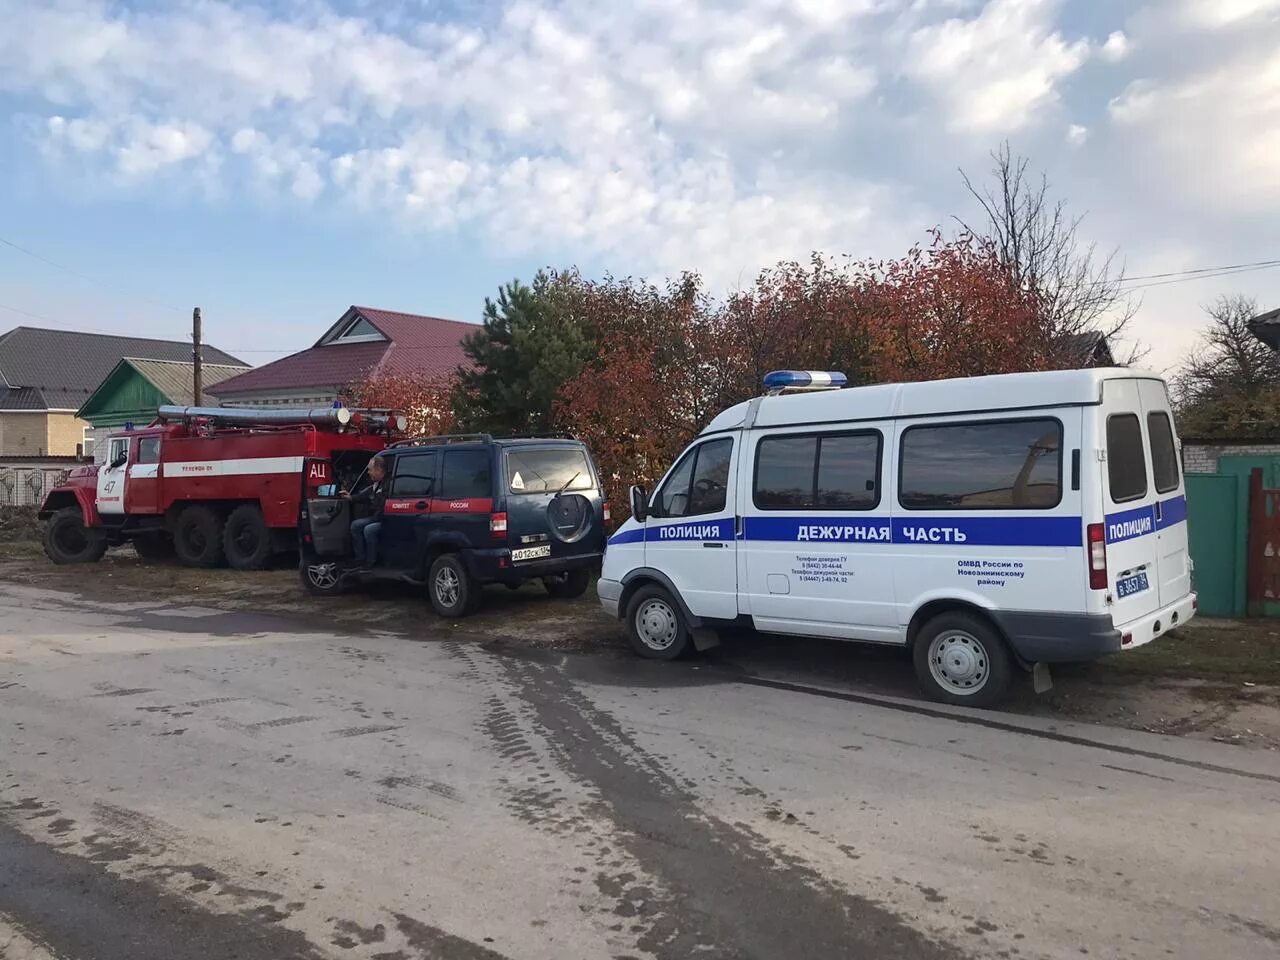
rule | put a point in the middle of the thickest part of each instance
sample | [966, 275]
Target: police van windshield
[548, 470]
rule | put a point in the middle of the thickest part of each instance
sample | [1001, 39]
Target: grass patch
[1207, 649]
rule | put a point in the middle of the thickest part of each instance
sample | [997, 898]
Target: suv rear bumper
[484, 565]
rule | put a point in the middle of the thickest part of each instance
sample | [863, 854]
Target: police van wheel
[453, 591]
[197, 537]
[655, 626]
[245, 539]
[568, 586]
[68, 540]
[962, 660]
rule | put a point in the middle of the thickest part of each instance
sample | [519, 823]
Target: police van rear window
[1126, 461]
[1164, 455]
[548, 470]
[988, 465]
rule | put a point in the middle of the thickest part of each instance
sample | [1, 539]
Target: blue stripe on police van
[975, 531]
[1128, 524]
[1172, 511]
[627, 536]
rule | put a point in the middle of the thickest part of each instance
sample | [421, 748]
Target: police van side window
[1164, 455]
[415, 475]
[818, 472]
[987, 465]
[699, 483]
[1126, 460]
[466, 475]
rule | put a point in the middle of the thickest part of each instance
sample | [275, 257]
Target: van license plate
[531, 553]
[1131, 585]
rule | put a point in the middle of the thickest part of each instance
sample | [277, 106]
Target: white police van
[1022, 519]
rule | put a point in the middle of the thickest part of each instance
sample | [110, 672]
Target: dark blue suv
[458, 512]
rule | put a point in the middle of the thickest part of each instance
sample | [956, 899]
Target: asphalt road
[178, 782]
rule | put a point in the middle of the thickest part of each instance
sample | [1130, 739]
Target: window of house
[415, 475]
[818, 472]
[149, 450]
[466, 475]
[1126, 460]
[699, 483]
[87, 443]
[1164, 454]
[988, 465]
[358, 330]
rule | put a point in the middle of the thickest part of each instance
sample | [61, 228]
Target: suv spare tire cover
[570, 515]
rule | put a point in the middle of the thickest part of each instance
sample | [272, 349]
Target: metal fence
[27, 486]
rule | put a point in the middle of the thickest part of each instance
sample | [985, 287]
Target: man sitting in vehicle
[365, 531]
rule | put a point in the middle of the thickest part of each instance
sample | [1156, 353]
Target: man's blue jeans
[364, 540]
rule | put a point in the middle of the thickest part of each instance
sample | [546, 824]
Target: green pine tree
[532, 342]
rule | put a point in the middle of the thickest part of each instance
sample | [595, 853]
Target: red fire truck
[209, 484]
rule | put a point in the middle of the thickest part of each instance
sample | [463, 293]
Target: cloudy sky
[275, 162]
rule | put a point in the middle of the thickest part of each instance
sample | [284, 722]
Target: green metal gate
[1217, 518]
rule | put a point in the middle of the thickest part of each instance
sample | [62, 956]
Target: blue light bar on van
[805, 380]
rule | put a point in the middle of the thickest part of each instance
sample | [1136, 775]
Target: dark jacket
[375, 495]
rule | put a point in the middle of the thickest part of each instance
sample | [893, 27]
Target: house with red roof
[364, 341]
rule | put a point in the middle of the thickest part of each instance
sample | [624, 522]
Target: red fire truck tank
[209, 484]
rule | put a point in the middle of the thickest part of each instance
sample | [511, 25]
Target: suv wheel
[454, 593]
[321, 578]
[960, 659]
[68, 540]
[655, 625]
[568, 586]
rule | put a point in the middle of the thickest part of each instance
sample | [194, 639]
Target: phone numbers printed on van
[818, 569]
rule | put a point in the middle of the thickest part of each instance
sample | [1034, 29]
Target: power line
[1207, 276]
[1188, 273]
[86, 277]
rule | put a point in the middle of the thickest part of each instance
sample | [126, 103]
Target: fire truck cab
[209, 485]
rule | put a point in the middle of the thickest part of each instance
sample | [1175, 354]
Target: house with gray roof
[46, 376]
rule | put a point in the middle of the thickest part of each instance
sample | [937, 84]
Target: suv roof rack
[444, 438]
[537, 436]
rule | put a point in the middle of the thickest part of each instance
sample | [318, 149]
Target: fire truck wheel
[453, 591]
[246, 539]
[68, 540]
[197, 537]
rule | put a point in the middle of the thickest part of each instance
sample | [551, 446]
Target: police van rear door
[1171, 501]
[1129, 497]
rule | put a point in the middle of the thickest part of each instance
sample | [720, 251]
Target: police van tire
[568, 586]
[68, 540]
[197, 537]
[246, 541]
[655, 625]
[453, 591]
[962, 660]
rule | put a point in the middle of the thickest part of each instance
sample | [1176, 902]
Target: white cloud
[1223, 13]
[1077, 135]
[1215, 133]
[996, 70]
[1116, 47]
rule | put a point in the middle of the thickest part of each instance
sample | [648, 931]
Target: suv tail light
[1096, 540]
[498, 525]
[607, 515]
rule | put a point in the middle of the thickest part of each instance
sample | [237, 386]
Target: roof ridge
[420, 316]
[205, 363]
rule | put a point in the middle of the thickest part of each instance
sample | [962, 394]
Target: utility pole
[197, 376]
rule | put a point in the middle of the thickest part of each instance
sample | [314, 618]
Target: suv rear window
[1126, 463]
[1164, 455]
[548, 470]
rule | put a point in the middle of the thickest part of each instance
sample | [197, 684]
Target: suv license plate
[1131, 585]
[531, 553]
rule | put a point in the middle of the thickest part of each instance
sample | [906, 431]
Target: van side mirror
[639, 502]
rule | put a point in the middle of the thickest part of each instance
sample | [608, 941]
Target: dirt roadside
[1213, 679]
